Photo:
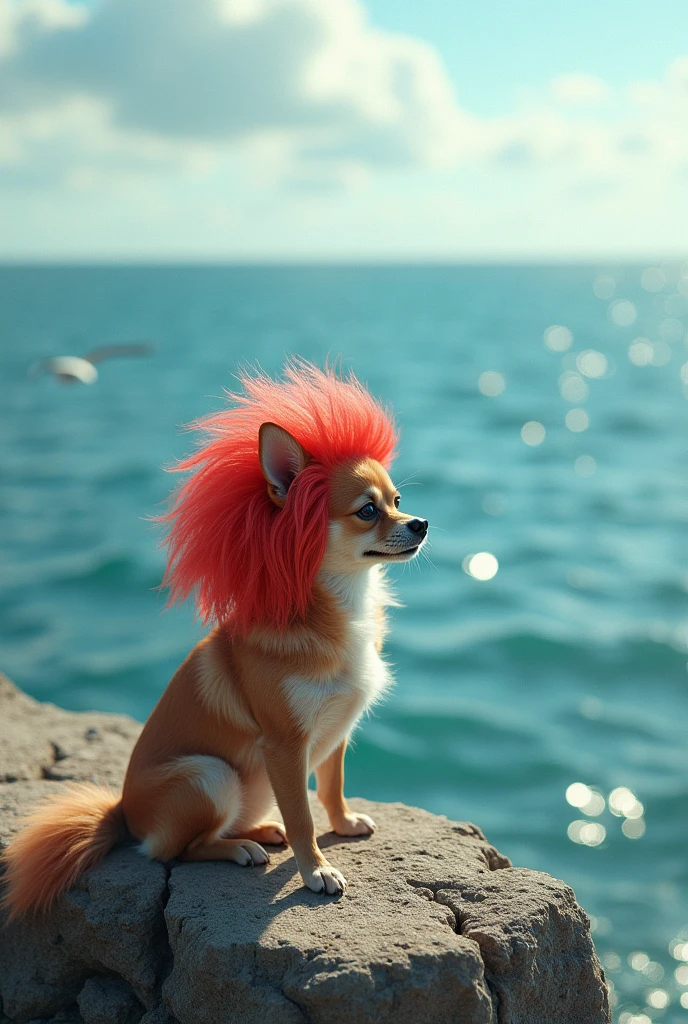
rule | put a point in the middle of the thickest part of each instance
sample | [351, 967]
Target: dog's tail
[60, 839]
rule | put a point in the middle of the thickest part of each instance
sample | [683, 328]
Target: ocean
[544, 427]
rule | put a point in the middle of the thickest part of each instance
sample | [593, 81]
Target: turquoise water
[569, 665]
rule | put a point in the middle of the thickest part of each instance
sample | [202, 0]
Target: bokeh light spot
[595, 805]
[585, 465]
[654, 971]
[638, 961]
[600, 925]
[558, 338]
[590, 801]
[657, 998]
[591, 363]
[586, 833]
[491, 383]
[532, 433]
[677, 305]
[633, 828]
[622, 800]
[623, 313]
[572, 387]
[640, 352]
[652, 279]
[482, 566]
[636, 810]
[679, 949]
[578, 794]
[577, 420]
[671, 329]
[681, 974]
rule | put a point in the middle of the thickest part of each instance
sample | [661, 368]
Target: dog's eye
[397, 500]
[367, 512]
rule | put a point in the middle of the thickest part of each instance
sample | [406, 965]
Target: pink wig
[247, 560]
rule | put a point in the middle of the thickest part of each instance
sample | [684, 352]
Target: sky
[287, 130]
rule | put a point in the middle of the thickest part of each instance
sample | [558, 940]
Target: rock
[108, 1001]
[40, 741]
[435, 925]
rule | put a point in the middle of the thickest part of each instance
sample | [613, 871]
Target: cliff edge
[435, 926]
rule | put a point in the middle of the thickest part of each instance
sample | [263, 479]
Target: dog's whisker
[402, 483]
[428, 559]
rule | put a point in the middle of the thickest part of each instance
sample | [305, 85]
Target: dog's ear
[281, 458]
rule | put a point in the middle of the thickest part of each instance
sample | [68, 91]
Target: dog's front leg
[330, 779]
[287, 766]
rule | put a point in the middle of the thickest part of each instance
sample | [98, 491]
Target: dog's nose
[419, 526]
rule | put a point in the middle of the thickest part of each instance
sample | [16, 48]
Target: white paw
[247, 853]
[325, 879]
[355, 825]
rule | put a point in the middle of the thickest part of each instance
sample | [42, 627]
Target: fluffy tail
[60, 840]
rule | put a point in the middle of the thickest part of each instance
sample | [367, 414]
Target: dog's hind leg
[270, 832]
[183, 808]
[241, 851]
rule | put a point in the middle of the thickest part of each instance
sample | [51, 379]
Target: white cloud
[35, 17]
[578, 89]
[329, 98]
[217, 71]
[237, 119]
[678, 74]
[593, 134]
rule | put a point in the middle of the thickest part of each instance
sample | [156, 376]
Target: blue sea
[544, 423]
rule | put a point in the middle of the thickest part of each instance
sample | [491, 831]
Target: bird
[81, 369]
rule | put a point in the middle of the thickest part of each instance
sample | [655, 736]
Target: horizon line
[286, 262]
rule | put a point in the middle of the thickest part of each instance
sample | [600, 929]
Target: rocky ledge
[436, 925]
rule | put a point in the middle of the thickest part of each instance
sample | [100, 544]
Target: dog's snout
[419, 526]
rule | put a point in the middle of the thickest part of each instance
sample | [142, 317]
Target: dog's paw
[271, 832]
[355, 825]
[325, 879]
[248, 853]
[275, 835]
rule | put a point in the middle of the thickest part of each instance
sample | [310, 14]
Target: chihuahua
[282, 531]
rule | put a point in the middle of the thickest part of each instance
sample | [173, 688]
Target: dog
[283, 531]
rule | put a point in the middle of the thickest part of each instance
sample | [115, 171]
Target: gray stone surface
[436, 926]
[42, 742]
[109, 1001]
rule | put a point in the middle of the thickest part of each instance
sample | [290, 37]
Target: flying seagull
[70, 369]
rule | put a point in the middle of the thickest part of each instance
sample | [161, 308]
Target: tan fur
[276, 706]
[244, 721]
[61, 839]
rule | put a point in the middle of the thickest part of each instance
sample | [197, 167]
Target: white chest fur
[328, 709]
